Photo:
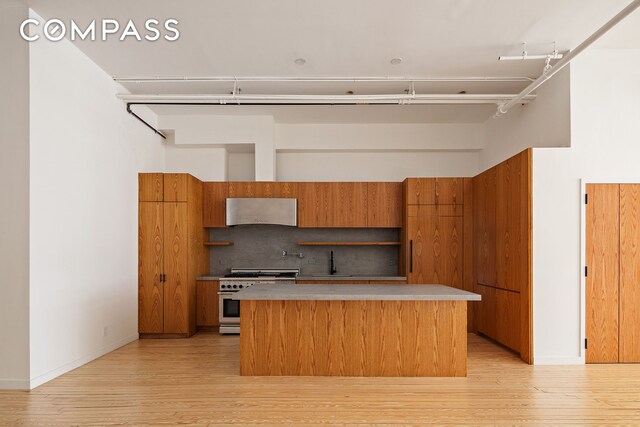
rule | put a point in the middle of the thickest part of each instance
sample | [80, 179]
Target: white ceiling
[344, 38]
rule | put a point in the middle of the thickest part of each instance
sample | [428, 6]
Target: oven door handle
[226, 293]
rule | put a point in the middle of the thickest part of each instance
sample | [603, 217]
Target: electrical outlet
[105, 331]
[311, 260]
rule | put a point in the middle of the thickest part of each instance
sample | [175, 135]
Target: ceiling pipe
[504, 108]
[254, 79]
[239, 99]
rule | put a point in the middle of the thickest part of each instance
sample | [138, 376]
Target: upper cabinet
[215, 198]
[264, 189]
[175, 187]
[384, 208]
[150, 187]
[332, 204]
[434, 191]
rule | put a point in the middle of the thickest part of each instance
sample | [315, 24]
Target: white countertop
[377, 292]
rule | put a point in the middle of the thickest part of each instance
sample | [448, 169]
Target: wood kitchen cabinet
[215, 204]
[287, 190]
[150, 187]
[434, 245]
[434, 191]
[332, 204]
[171, 254]
[384, 207]
[207, 303]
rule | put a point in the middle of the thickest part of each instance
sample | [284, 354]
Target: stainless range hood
[242, 211]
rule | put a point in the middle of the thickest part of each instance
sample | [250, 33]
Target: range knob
[223, 286]
[235, 286]
[240, 286]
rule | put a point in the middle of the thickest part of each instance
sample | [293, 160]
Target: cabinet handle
[410, 256]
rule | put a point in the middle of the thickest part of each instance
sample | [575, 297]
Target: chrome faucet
[332, 266]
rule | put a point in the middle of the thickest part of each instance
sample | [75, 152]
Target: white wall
[379, 136]
[545, 122]
[605, 145]
[14, 196]
[205, 163]
[86, 152]
[241, 166]
[373, 166]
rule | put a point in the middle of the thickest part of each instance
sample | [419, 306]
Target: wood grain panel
[263, 189]
[525, 250]
[198, 254]
[484, 227]
[498, 315]
[602, 281]
[436, 246]
[332, 282]
[215, 200]
[176, 288]
[384, 208]
[349, 205]
[420, 191]
[467, 249]
[353, 338]
[315, 204]
[449, 191]
[150, 262]
[150, 187]
[207, 305]
[629, 331]
[175, 187]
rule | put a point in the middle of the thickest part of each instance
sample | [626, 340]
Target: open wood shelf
[349, 243]
[218, 243]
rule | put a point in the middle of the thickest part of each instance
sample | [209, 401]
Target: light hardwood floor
[195, 382]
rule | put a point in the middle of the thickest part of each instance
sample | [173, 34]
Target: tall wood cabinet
[171, 252]
[433, 233]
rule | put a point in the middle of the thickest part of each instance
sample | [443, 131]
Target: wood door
[150, 187]
[175, 187]
[349, 205]
[384, 207]
[435, 246]
[484, 226]
[448, 191]
[176, 285]
[629, 333]
[215, 201]
[207, 306]
[150, 262]
[602, 281]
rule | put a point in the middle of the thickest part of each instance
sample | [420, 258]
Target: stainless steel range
[241, 278]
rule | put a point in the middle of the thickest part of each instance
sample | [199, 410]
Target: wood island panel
[353, 338]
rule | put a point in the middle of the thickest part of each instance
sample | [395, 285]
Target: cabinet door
[175, 187]
[150, 261]
[498, 316]
[176, 286]
[207, 303]
[150, 187]
[384, 207]
[421, 191]
[349, 205]
[629, 273]
[449, 191]
[602, 281]
[315, 204]
[215, 198]
[484, 226]
[435, 245]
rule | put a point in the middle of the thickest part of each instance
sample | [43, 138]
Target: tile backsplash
[261, 246]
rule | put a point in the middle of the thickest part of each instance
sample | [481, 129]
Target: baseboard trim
[558, 361]
[7, 384]
[48, 376]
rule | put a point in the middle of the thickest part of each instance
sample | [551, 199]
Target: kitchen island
[354, 330]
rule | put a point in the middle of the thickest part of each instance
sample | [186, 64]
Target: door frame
[583, 250]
